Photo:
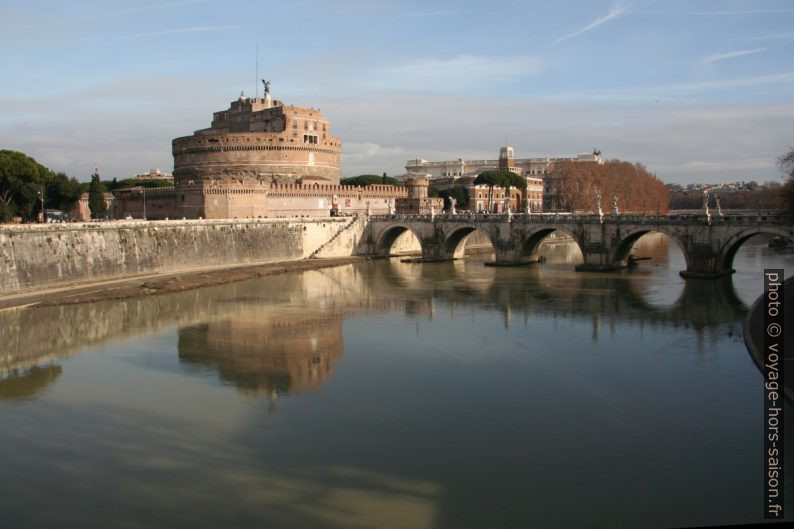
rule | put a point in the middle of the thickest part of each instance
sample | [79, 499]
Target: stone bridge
[709, 243]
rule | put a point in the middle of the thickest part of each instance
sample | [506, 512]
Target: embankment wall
[40, 256]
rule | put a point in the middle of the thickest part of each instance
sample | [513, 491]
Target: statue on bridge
[598, 210]
[706, 203]
[452, 204]
[615, 210]
[719, 208]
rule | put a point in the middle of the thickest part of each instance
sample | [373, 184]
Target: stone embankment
[37, 257]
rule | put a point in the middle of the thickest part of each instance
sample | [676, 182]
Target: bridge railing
[698, 217]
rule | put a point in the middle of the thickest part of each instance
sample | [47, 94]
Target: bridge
[709, 243]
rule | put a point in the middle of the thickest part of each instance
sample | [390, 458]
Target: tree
[786, 163]
[460, 194]
[21, 179]
[637, 190]
[369, 179]
[137, 182]
[505, 179]
[96, 198]
[62, 192]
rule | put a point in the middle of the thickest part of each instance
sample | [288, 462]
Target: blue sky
[696, 90]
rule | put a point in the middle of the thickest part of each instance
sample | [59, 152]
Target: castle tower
[507, 160]
[417, 187]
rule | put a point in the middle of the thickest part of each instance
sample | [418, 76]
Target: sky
[695, 90]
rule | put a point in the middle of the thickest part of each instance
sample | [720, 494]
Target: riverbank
[153, 284]
[35, 257]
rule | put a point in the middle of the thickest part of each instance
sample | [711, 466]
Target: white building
[525, 166]
[445, 174]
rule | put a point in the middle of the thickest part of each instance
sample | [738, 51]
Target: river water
[386, 394]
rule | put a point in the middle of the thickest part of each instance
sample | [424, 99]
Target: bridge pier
[705, 263]
[509, 253]
[597, 257]
[434, 249]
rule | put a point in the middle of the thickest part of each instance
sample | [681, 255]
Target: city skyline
[696, 91]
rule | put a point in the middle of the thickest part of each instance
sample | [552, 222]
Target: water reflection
[445, 395]
[21, 384]
[282, 334]
[267, 353]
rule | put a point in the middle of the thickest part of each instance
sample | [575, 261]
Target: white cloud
[372, 158]
[676, 92]
[680, 142]
[100, 15]
[616, 11]
[458, 73]
[731, 55]
[178, 31]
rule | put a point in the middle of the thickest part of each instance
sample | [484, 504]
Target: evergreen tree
[96, 198]
[369, 179]
[21, 181]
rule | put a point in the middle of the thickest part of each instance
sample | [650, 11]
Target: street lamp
[40, 194]
[143, 194]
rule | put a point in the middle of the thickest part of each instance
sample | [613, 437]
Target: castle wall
[254, 141]
[37, 256]
[254, 156]
[260, 200]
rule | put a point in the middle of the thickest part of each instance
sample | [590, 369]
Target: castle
[259, 158]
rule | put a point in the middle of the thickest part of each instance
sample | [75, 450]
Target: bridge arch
[531, 246]
[389, 235]
[732, 245]
[625, 245]
[454, 242]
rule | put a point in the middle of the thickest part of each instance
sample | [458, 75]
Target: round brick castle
[259, 159]
[259, 141]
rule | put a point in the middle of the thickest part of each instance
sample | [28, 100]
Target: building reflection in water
[267, 353]
[282, 334]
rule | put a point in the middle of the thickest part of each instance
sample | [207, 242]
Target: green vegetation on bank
[96, 198]
[368, 180]
[503, 179]
[460, 194]
[22, 181]
[114, 184]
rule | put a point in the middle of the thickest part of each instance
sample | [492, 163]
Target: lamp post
[143, 195]
[40, 194]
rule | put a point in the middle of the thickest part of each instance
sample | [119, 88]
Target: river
[385, 395]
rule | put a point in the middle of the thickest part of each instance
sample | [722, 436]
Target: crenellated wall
[38, 256]
[252, 200]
